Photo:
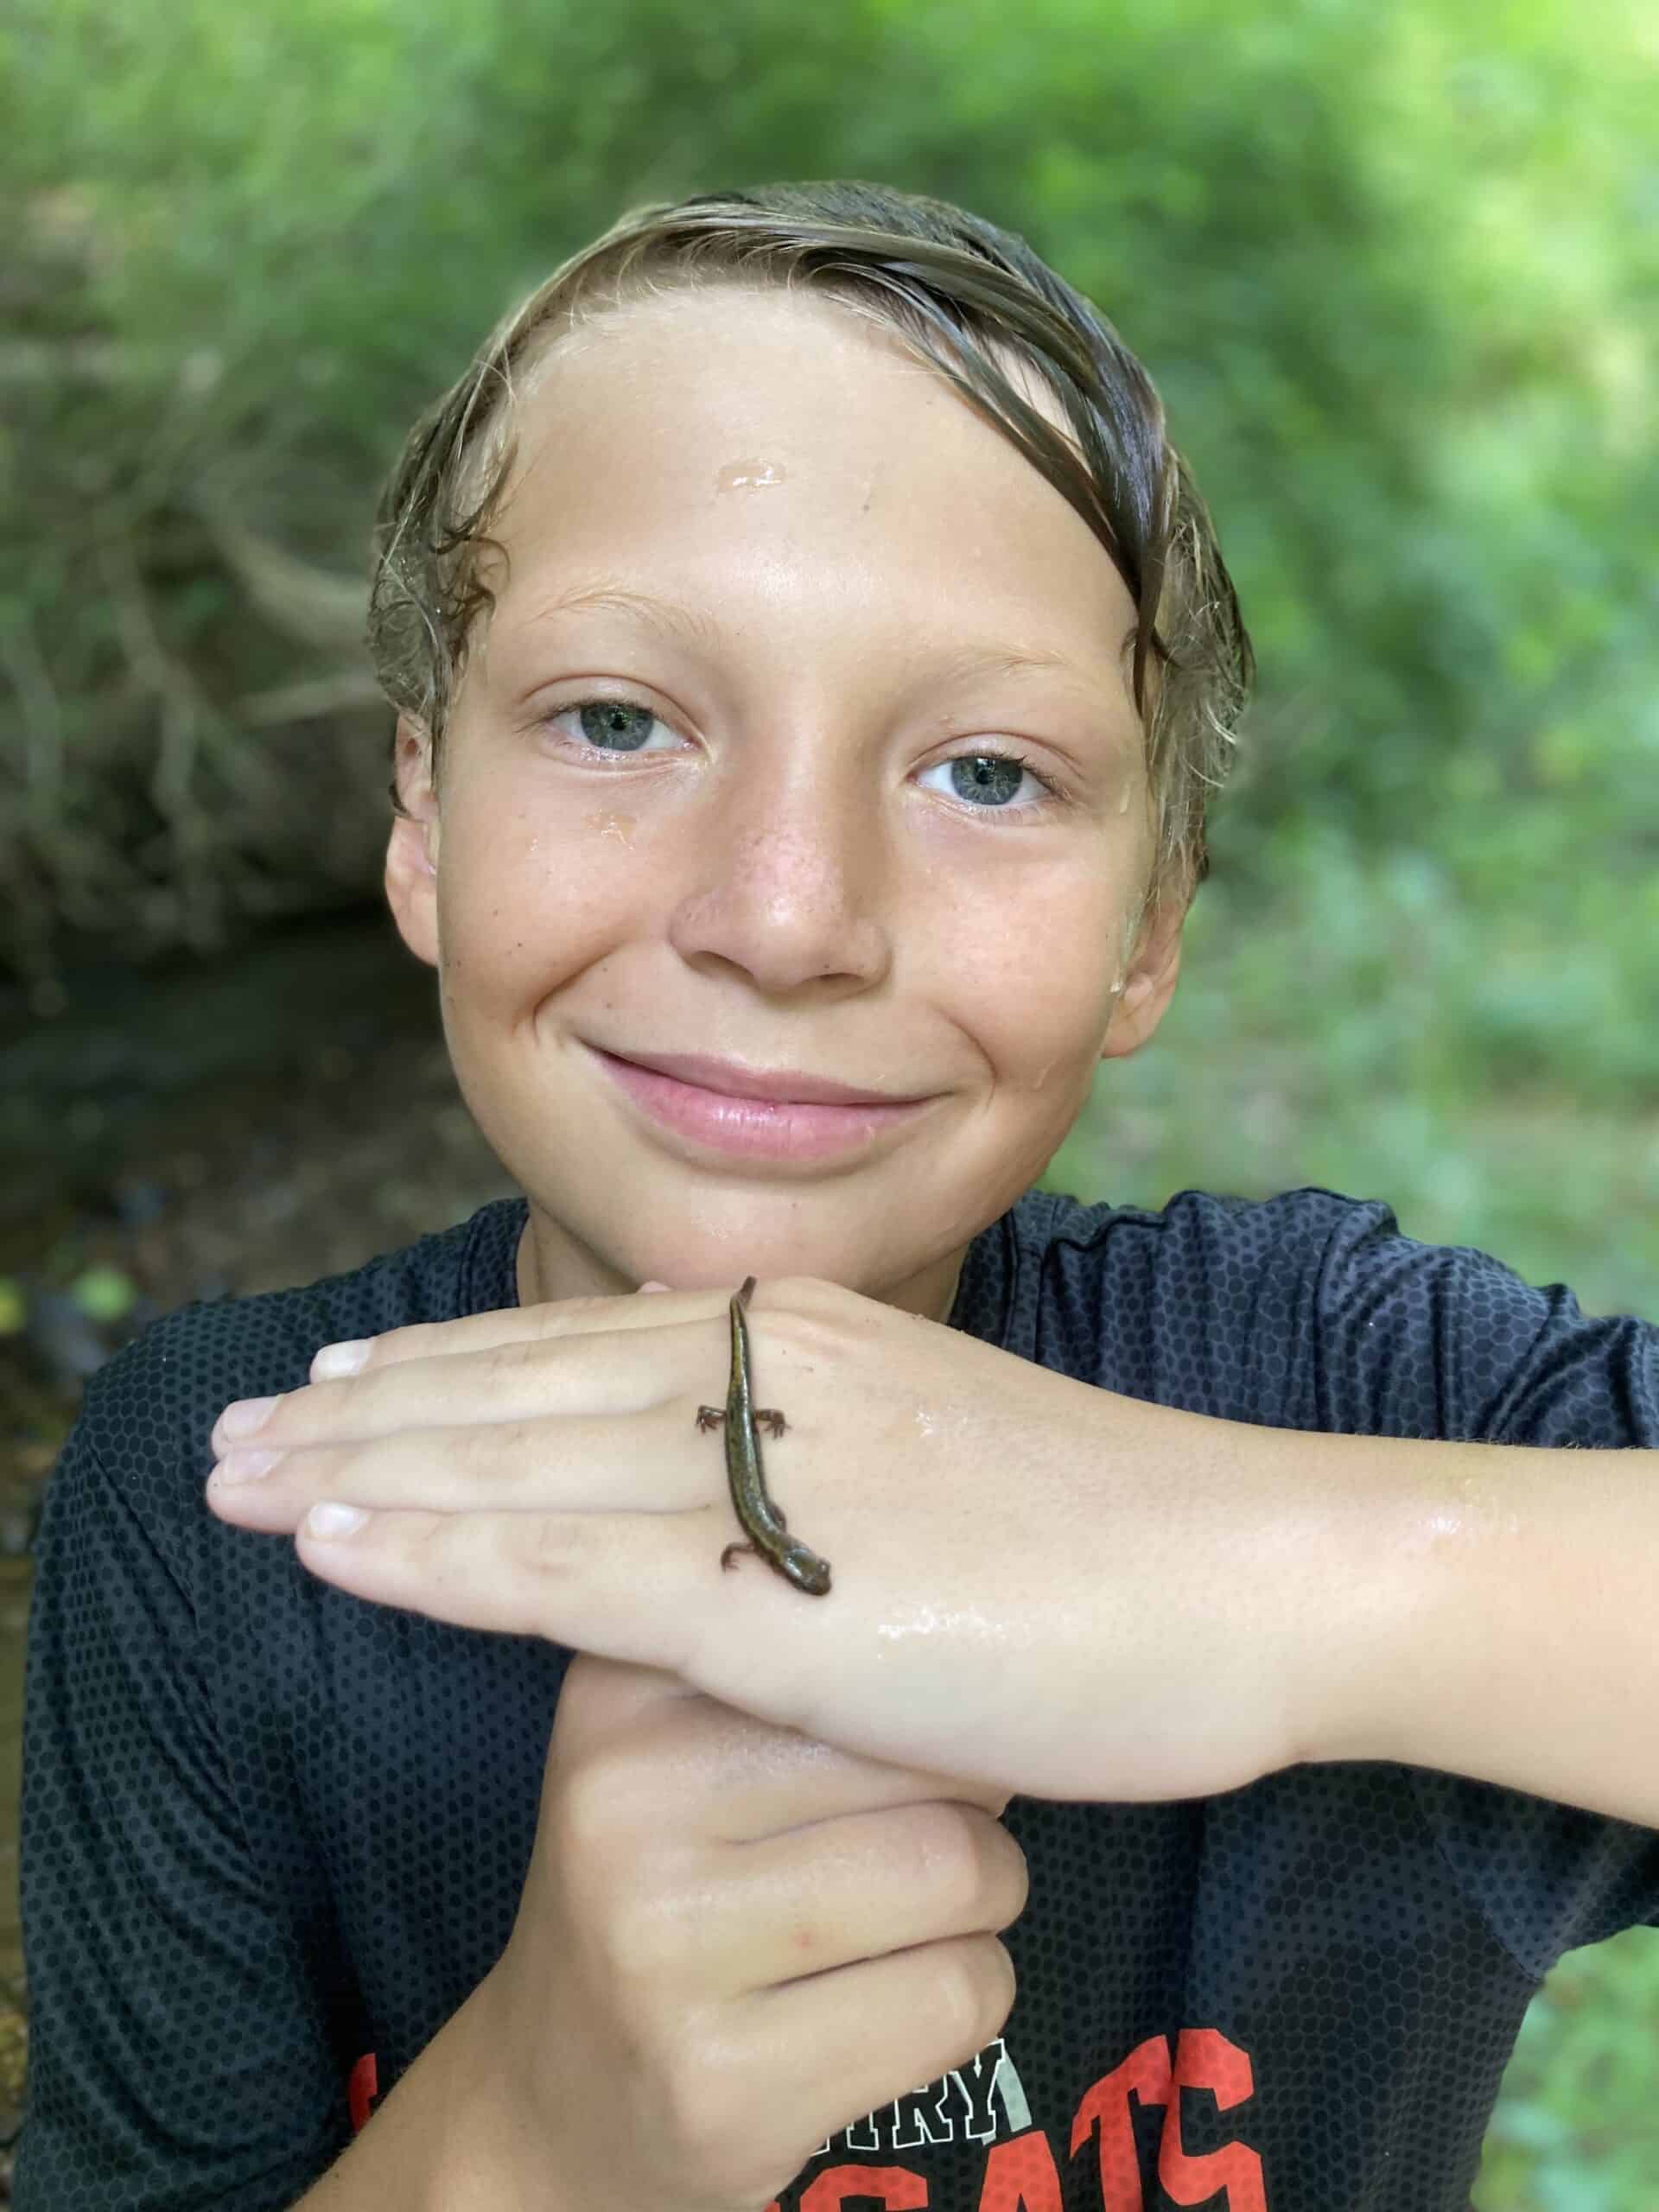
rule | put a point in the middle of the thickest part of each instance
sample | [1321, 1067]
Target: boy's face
[764, 854]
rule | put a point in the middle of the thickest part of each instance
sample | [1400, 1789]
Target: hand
[733, 1942]
[1039, 1585]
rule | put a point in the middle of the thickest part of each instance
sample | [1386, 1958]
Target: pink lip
[754, 1128]
[779, 1086]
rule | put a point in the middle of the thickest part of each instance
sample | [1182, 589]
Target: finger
[856, 1886]
[640, 1587]
[644, 1588]
[601, 1371]
[531, 1324]
[557, 1463]
[858, 2036]
[625, 1586]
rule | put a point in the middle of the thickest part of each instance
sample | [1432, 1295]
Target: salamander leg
[710, 1416]
[730, 1552]
[771, 1419]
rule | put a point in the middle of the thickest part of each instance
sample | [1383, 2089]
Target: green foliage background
[1396, 273]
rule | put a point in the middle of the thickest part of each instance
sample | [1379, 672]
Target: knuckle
[684, 2092]
[634, 1940]
[702, 2097]
[505, 1363]
[979, 1991]
[498, 1440]
[964, 1995]
[1011, 1879]
[593, 1809]
[426, 1533]
[547, 1549]
[948, 1858]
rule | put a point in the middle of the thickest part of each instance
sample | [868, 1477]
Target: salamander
[762, 1520]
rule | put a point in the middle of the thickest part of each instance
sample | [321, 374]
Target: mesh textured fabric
[273, 1835]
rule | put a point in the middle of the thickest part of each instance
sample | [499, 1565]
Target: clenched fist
[734, 1940]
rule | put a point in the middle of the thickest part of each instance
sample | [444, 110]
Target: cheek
[521, 909]
[1037, 986]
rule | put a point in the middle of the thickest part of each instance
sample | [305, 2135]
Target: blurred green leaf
[103, 1294]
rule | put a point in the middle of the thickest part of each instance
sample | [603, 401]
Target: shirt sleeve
[178, 2056]
[1438, 1341]
[1434, 1342]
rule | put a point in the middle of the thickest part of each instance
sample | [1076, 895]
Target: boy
[1192, 1618]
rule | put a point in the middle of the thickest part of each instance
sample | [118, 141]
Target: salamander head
[806, 1570]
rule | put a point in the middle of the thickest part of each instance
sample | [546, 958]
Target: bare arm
[1488, 1612]
[710, 1900]
[442, 2139]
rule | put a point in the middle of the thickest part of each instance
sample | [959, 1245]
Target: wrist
[1388, 1625]
[493, 2152]
[446, 2137]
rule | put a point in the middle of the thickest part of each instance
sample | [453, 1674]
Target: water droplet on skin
[1124, 802]
[967, 1623]
[749, 476]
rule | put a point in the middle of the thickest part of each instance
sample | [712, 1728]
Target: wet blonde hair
[963, 296]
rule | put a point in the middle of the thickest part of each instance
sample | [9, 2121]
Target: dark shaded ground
[212, 1128]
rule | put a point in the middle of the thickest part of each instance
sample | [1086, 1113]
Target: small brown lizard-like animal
[762, 1521]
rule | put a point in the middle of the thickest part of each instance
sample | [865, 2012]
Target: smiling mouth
[756, 1128]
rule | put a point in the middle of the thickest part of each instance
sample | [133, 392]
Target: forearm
[443, 2140]
[1489, 1614]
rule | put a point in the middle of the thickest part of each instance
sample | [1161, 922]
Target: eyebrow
[692, 628]
[704, 632]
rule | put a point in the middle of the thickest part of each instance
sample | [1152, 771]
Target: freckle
[749, 476]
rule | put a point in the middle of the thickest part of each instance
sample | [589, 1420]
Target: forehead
[779, 426]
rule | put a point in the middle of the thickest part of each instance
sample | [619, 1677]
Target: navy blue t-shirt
[274, 1835]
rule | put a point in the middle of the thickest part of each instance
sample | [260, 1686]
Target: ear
[412, 847]
[1149, 982]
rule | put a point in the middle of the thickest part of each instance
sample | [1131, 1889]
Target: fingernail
[335, 1519]
[243, 1466]
[246, 1414]
[340, 1359]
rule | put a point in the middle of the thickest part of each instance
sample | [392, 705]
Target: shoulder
[1202, 1251]
[1312, 1310]
[1200, 1303]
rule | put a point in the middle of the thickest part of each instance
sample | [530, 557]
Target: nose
[791, 873]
